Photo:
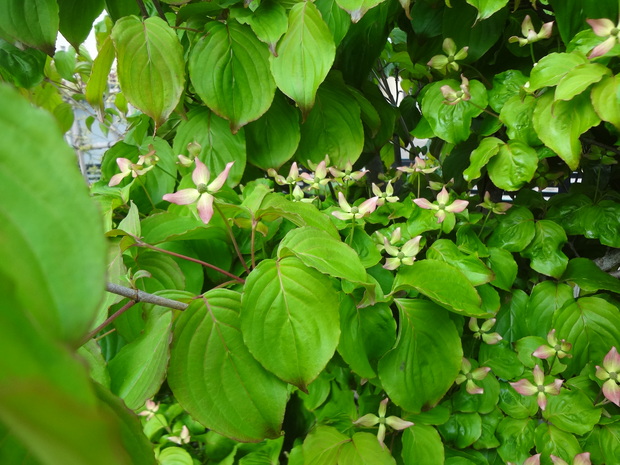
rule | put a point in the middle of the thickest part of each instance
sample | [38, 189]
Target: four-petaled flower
[348, 212]
[482, 332]
[150, 410]
[448, 63]
[604, 27]
[347, 175]
[441, 206]
[203, 193]
[469, 375]
[182, 438]
[526, 388]
[380, 238]
[529, 34]
[404, 255]
[452, 97]
[387, 196]
[370, 419]
[419, 166]
[318, 179]
[292, 179]
[498, 208]
[610, 374]
[579, 459]
[554, 348]
[128, 167]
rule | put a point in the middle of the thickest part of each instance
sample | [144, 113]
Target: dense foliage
[324, 301]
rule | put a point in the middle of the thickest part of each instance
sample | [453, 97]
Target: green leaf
[517, 438]
[333, 127]
[550, 69]
[592, 326]
[422, 446]
[151, 69]
[76, 19]
[366, 335]
[60, 250]
[290, 319]
[484, 403]
[515, 230]
[431, 278]
[139, 369]
[504, 267]
[322, 446]
[452, 122]
[502, 359]
[462, 429]
[579, 79]
[514, 165]
[480, 156]
[357, 8]
[273, 138]
[572, 411]
[506, 86]
[472, 267]
[422, 366]
[487, 8]
[98, 79]
[317, 249]
[97, 366]
[589, 277]
[24, 68]
[336, 18]
[216, 379]
[545, 250]
[606, 100]
[229, 68]
[517, 114]
[559, 125]
[32, 22]
[174, 456]
[306, 52]
[546, 299]
[490, 421]
[269, 21]
[551, 440]
[218, 145]
[364, 449]
[511, 318]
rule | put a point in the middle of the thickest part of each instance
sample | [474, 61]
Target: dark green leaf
[589, 277]
[77, 17]
[32, 22]
[503, 266]
[517, 438]
[515, 230]
[422, 446]
[546, 299]
[462, 429]
[545, 250]
[24, 68]
[572, 411]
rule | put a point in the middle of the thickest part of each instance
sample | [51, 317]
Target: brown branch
[141, 296]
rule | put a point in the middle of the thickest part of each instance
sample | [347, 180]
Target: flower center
[400, 255]
[355, 210]
[541, 388]
[614, 32]
[202, 188]
[613, 375]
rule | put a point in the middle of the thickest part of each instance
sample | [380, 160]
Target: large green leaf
[462, 429]
[366, 334]
[579, 79]
[592, 326]
[472, 267]
[51, 234]
[517, 114]
[515, 230]
[452, 122]
[24, 68]
[77, 17]
[486, 8]
[550, 70]
[317, 249]
[426, 359]
[606, 100]
[336, 18]
[269, 21]
[559, 125]
[517, 438]
[357, 8]
[332, 127]
[590, 277]
[273, 139]
[422, 446]
[443, 283]
[552, 440]
[229, 68]
[290, 319]
[214, 376]
[514, 165]
[139, 369]
[546, 299]
[305, 55]
[151, 69]
[572, 411]
[480, 157]
[218, 145]
[364, 449]
[545, 250]
[32, 22]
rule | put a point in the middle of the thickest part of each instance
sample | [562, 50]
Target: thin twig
[160, 12]
[143, 10]
[141, 296]
[123, 309]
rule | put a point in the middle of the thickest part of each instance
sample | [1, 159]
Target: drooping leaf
[46, 223]
[559, 125]
[98, 79]
[357, 8]
[269, 21]
[545, 250]
[273, 138]
[290, 319]
[151, 69]
[333, 127]
[77, 17]
[431, 278]
[218, 145]
[229, 68]
[606, 101]
[213, 375]
[486, 8]
[426, 359]
[305, 55]
[32, 22]
[592, 326]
